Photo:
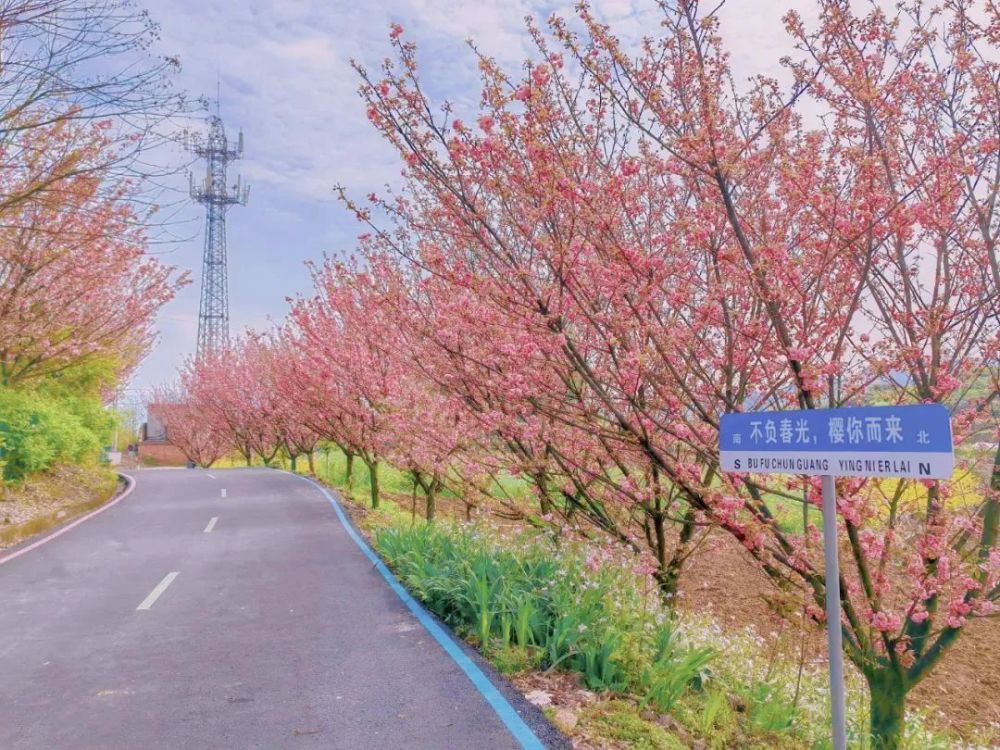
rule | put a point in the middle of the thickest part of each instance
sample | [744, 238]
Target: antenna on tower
[217, 196]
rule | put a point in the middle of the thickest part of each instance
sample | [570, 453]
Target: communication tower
[217, 197]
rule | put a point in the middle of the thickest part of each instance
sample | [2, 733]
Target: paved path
[222, 609]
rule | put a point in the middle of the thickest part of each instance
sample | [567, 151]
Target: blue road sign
[888, 441]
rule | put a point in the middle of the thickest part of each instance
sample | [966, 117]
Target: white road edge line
[210, 476]
[211, 524]
[59, 532]
[150, 600]
[223, 491]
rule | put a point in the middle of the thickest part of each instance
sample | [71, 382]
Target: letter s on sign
[736, 463]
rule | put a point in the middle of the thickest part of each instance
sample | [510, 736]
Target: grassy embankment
[51, 434]
[47, 499]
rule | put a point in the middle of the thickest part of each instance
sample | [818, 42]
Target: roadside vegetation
[78, 290]
[51, 498]
[52, 436]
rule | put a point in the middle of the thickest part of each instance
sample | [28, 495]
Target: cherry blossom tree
[233, 390]
[76, 139]
[313, 396]
[198, 438]
[70, 63]
[914, 100]
[76, 282]
[662, 247]
[349, 367]
[282, 362]
[912, 125]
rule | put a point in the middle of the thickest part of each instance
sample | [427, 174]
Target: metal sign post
[834, 635]
[888, 441]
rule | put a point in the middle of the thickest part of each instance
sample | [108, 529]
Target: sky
[283, 67]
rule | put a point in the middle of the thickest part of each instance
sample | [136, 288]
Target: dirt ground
[964, 687]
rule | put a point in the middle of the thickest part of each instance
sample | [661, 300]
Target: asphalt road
[153, 626]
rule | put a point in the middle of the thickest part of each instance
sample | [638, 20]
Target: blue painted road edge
[514, 723]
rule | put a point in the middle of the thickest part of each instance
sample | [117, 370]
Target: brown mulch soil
[45, 500]
[565, 699]
[963, 688]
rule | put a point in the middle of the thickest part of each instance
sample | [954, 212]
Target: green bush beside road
[40, 427]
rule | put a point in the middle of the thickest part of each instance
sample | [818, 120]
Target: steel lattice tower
[217, 197]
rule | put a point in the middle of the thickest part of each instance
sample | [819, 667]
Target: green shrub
[522, 598]
[38, 429]
[673, 669]
[770, 710]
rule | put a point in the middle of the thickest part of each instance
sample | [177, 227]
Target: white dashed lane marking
[150, 600]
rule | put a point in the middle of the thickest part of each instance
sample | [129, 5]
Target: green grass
[621, 722]
[331, 467]
[552, 606]
[530, 603]
[788, 513]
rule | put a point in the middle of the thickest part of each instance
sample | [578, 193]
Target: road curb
[464, 657]
[27, 546]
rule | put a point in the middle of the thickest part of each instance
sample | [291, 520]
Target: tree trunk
[295, 461]
[312, 463]
[349, 471]
[430, 487]
[669, 574]
[418, 481]
[431, 499]
[667, 580]
[542, 483]
[373, 474]
[888, 710]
